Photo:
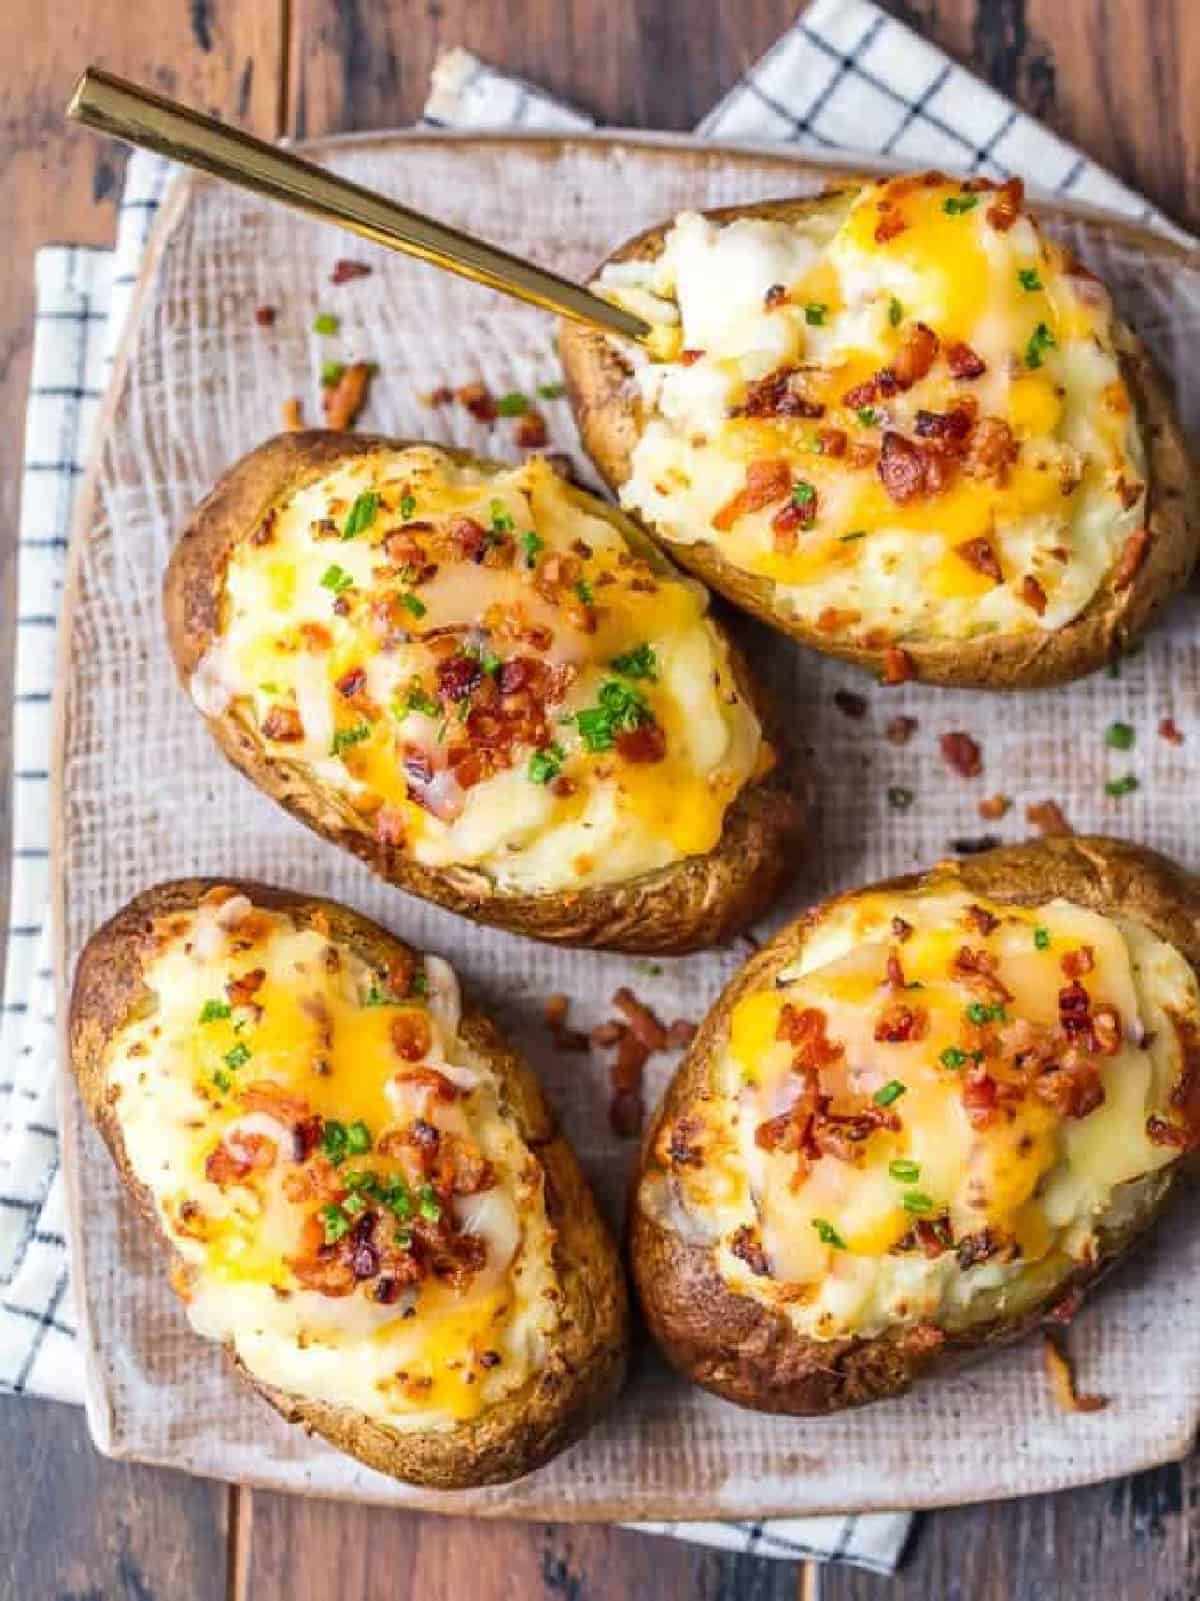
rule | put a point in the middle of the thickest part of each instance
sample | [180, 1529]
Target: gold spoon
[113, 106]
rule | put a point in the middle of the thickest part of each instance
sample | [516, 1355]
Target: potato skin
[585, 1367]
[608, 415]
[691, 905]
[749, 1353]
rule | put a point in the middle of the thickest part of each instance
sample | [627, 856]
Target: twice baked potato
[487, 684]
[924, 1115]
[364, 1195]
[898, 422]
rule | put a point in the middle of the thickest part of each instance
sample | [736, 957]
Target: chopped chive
[502, 522]
[408, 505]
[640, 662]
[429, 1205]
[584, 590]
[358, 1138]
[905, 1171]
[343, 738]
[803, 493]
[891, 1091]
[1028, 278]
[221, 1079]
[956, 205]
[953, 1058]
[1041, 938]
[916, 1201]
[331, 371]
[337, 1224]
[532, 544]
[546, 763]
[214, 1011]
[514, 404]
[413, 604]
[827, 1234]
[551, 391]
[1119, 736]
[814, 313]
[362, 514]
[1040, 340]
[337, 579]
[868, 416]
[895, 312]
[238, 1056]
[1116, 787]
[326, 323]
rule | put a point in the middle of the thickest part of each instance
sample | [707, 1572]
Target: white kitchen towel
[844, 77]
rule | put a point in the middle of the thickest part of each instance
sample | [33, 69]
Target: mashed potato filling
[933, 1110]
[351, 1205]
[905, 409]
[481, 673]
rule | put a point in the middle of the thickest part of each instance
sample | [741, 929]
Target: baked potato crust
[608, 415]
[585, 1365]
[749, 1353]
[690, 905]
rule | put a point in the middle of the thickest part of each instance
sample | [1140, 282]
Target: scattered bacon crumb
[994, 807]
[554, 1011]
[961, 753]
[915, 356]
[641, 1019]
[775, 296]
[282, 723]
[441, 396]
[1006, 207]
[832, 441]
[963, 362]
[897, 665]
[265, 316]
[900, 730]
[1062, 1380]
[888, 226]
[850, 704]
[1033, 594]
[689, 358]
[901, 468]
[766, 482]
[478, 401]
[681, 1033]
[343, 271]
[1065, 1311]
[343, 400]
[1170, 732]
[608, 1034]
[901, 930]
[981, 555]
[532, 431]
[1131, 558]
[293, 415]
[1047, 817]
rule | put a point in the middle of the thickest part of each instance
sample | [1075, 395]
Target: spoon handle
[113, 106]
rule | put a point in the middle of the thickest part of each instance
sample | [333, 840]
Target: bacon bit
[642, 1021]
[458, 677]
[306, 1136]
[932, 1235]
[282, 723]
[264, 534]
[411, 1036]
[238, 1156]
[901, 468]
[849, 704]
[1006, 207]
[478, 401]
[1073, 1089]
[963, 362]
[689, 358]
[428, 1078]
[833, 619]
[1106, 1030]
[352, 682]
[747, 1247]
[953, 426]
[895, 972]
[442, 396]
[766, 482]
[241, 991]
[264, 1095]
[993, 449]
[897, 665]
[1128, 493]
[775, 297]
[978, 971]
[1076, 963]
[805, 1030]
[626, 1112]
[901, 930]
[681, 1033]
[344, 271]
[916, 356]
[342, 401]
[293, 415]
[390, 826]
[900, 730]
[608, 1034]
[1131, 558]
[1033, 594]
[645, 744]
[978, 1247]
[1047, 817]
[554, 1014]
[1160, 1132]
[832, 441]
[864, 394]
[265, 316]
[899, 1024]
[994, 807]
[981, 555]
[532, 432]
[981, 920]
[888, 226]
[778, 395]
[1169, 731]
[786, 525]
[960, 752]
[1062, 1380]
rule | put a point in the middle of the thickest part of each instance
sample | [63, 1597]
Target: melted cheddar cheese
[350, 1203]
[929, 391]
[483, 673]
[930, 1114]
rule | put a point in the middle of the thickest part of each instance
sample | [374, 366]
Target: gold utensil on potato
[111, 105]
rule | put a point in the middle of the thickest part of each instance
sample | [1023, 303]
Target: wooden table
[1114, 78]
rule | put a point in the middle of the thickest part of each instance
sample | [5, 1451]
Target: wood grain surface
[1115, 76]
